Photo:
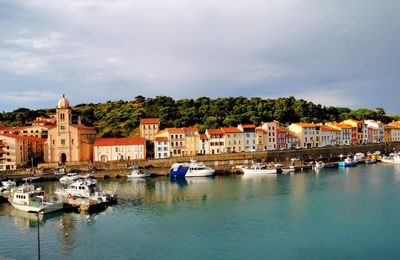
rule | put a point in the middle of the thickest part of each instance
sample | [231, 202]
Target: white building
[249, 134]
[161, 147]
[116, 149]
[379, 131]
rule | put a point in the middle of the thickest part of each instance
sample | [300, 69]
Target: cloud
[98, 50]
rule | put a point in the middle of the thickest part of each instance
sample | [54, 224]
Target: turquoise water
[347, 214]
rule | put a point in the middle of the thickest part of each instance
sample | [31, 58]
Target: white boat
[393, 158]
[86, 188]
[29, 199]
[319, 165]
[8, 184]
[70, 177]
[257, 169]
[192, 169]
[137, 173]
[359, 157]
[288, 170]
[30, 180]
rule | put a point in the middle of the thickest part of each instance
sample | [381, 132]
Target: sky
[331, 52]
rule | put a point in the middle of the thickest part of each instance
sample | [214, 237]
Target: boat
[30, 180]
[359, 157]
[319, 165]
[258, 169]
[288, 170]
[8, 184]
[370, 162]
[29, 199]
[348, 162]
[192, 169]
[87, 189]
[393, 158]
[70, 177]
[58, 173]
[137, 173]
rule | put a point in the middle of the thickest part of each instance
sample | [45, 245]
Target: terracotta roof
[22, 137]
[175, 130]
[203, 137]
[215, 131]
[260, 130]
[190, 129]
[339, 125]
[12, 128]
[306, 124]
[392, 126]
[280, 129]
[291, 136]
[149, 121]
[120, 141]
[249, 126]
[231, 130]
[328, 128]
[355, 121]
[82, 127]
[161, 139]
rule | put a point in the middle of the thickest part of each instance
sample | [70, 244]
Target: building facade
[117, 149]
[149, 127]
[68, 142]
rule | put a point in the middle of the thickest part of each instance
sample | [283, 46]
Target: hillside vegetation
[121, 118]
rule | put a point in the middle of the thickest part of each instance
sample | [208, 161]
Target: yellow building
[233, 139]
[68, 142]
[177, 141]
[261, 139]
[149, 127]
[216, 140]
[308, 134]
[192, 138]
[392, 132]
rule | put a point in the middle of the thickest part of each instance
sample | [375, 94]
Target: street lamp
[38, 230]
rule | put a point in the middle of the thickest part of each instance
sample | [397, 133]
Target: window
[62, 141]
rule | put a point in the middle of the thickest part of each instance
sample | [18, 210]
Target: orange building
[149, 127]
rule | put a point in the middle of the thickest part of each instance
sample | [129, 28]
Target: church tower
[64, 121]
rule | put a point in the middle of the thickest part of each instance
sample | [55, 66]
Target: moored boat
[319, 165]
[258, 169]
[192, 169]
[29, 199]
[393, 158]
[87, 189]
[8, 184]
[348, 162]
[70, 177]
[137, 173]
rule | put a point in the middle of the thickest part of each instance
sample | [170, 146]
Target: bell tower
[64, 114]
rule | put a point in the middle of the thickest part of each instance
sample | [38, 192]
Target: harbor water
[352, 213]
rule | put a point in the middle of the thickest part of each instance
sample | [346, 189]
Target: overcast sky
[333, 52]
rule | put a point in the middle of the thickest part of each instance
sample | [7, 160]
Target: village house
[308, 134]
[216, 140]
[161, 147]
[378, 130]
[292, 141]
[249, 136]
[281, 138]
[270, 128]
[234, 140]
[149, 127]
[261, 139]
[204, 144]
[345, 132]
[362, 130]
[117, 149]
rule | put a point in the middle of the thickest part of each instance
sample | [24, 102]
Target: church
[67, 142]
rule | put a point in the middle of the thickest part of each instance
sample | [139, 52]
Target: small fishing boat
[137, 173]
[319, 165]
[288, 170]
[8, 184]
[70, 177]
[87, 189]
[370, 162]
[30, 180]
[29, 199]
[393, 158]
[192, 169]
[258, 169]
[348, 162]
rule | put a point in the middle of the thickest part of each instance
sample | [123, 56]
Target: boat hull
[45, 209]
[185, 171]
[144, 175]
[258, 172]
[351, 164]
